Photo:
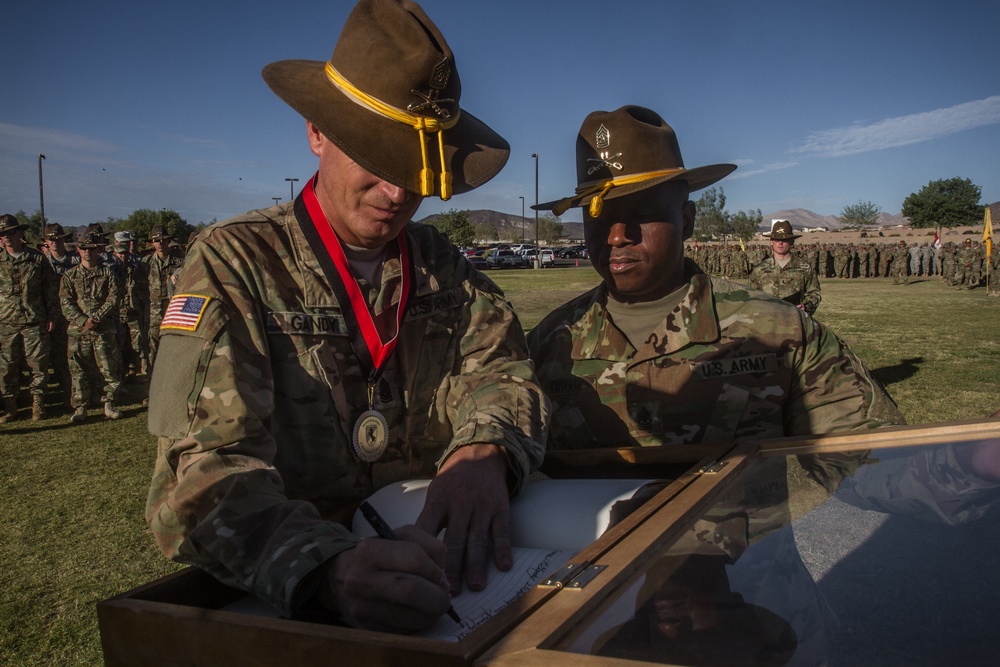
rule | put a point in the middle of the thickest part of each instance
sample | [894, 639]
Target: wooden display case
[181, 619]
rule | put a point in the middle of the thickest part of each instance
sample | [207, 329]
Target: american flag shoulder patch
[185, 311]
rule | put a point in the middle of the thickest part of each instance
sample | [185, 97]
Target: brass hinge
[573, 576]
[712, 468]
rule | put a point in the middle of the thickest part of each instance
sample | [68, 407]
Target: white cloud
[763, 169]
[901, 130]
[33, 140]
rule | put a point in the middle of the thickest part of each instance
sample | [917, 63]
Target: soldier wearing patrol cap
[90, 295]
[159, 266]
[62, 260]
[318, 350]
[785, 275]
[29, 309]
[134, 312]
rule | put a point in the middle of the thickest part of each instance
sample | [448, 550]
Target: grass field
[71, 497]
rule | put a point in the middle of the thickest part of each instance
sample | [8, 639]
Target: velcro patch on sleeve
[185, 312]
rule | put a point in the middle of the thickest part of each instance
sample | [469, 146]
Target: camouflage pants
[58, 362]
[87, 354]
[29, 343]
[133, 341]
[966, 275]
[153, 339]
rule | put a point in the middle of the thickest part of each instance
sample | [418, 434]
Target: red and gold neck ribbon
[378, 351]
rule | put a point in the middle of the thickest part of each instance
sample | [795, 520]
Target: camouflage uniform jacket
[726, 363]
[158, 272]
[255, 407]
[795, 283]
[90, 293]
[64, 263]
[29, 289]
[134, 283]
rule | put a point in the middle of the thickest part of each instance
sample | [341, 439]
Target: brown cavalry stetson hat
[55, 231]
[9, 223]
[624, 151]
[782, 231]
[389, 98]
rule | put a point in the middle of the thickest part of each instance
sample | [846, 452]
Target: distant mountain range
[805, 219]
[799, 217]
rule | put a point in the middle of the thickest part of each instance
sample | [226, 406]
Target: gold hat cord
[601, 189]
[422, 124]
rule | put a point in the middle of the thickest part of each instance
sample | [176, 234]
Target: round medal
[371, 436]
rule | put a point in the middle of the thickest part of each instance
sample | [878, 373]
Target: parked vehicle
[548, 258]
[478, 262]
[505, 259]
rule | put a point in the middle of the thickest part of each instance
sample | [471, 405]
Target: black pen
[383, 530]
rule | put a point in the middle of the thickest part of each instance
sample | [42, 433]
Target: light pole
[276, 200]
[538, 262]
[522, 219]
[41, 190]
[291, 187]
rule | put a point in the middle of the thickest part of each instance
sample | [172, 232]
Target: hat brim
[15, 228]
[783, 237]
[697, 178]
[384, 147]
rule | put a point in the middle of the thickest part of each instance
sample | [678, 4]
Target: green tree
[710, 219]
[951, 202]
[456, 226]
[860, 215]
[549, 228]
[744, 224]
[142, 220]
[34, 223]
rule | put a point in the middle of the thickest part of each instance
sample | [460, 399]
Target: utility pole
[538, 258]
[41, 191]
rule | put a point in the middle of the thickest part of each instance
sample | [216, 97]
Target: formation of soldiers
[88, 315]
[963, 265]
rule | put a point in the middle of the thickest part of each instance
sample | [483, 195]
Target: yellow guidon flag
[988, 234]
[744, 248]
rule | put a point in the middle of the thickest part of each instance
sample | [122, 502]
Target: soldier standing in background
[785, 276]
[925, 259]
[28, 311]
[62, 260]
[134, 311]
[885, 253]
[900, 264]
[90, 295]
[914, 251]
[160, 265]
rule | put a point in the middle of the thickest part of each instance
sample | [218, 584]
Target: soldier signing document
[321, 349]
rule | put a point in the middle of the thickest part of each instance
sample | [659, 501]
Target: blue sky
[143, 105]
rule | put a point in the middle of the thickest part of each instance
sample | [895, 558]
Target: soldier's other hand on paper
[469, 499]
[396, 585]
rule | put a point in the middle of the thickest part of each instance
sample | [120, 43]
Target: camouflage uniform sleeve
[494, 396]
[50, 291]
[811, 292]
[113, 302]
[755, 278]
[930, 484]
[216, 499]
[67, 299]
[833, 389]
